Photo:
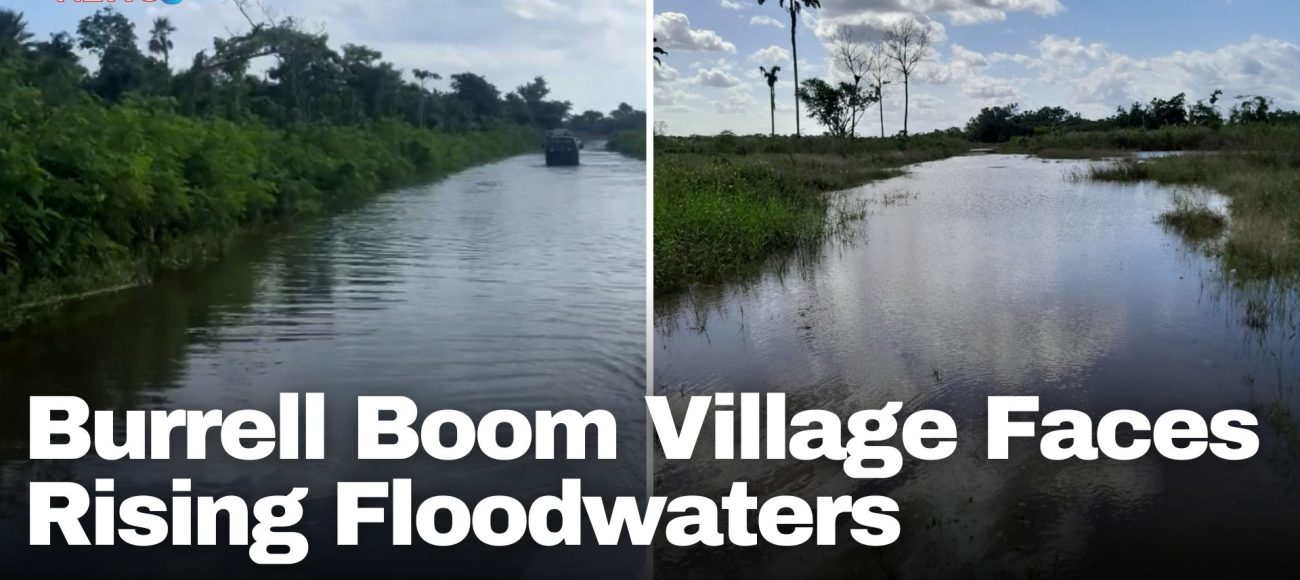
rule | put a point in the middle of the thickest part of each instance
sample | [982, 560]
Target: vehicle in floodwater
[561, 148]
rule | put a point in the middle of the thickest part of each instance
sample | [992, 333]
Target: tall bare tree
[907, 43]
[770, 75]
[793, 7]
[851, 57]
[880, 72]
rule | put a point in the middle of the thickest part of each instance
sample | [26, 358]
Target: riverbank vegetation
[1251, 155]
[724, 203]
[1258, 168]
[623, 129]
[108, 177]
[630, 142]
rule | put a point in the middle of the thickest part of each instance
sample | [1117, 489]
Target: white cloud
[871, 26]
[1098, 79]
[990, 88]
[766, 21]
[736, 101]
[715, 78]
[960, 12]
[535, 9]
[673, 29]
[771, 55]
[968, 58]
[664, 73]
[1074, 72]
[732, 5]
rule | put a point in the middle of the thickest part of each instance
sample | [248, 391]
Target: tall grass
[724, 203]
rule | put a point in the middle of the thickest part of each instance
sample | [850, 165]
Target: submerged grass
[722, 204]
[1258, 167]
[1195, 222]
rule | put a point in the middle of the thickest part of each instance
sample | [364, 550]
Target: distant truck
[562, 148]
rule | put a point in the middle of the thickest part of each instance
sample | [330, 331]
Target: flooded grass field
[989, 275]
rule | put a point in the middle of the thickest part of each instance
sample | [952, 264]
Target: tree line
[1003, 123]
[140, 164]
[310, 81]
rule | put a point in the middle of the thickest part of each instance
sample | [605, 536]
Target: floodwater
[508, 286]
[993, 275]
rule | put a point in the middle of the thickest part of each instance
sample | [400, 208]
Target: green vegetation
[618, 127]
[1258, 167]
[1195, 222]
[630, 142]
[724, 203]
[1160, 125]
[1251, 154]
[108, 177]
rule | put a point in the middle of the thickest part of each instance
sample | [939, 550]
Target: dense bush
[1162, 124]
[630, 142]
[107, 175]
[94, 195]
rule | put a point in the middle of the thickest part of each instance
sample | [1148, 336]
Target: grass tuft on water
[1195, 222]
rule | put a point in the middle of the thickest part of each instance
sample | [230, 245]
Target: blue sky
[1088, 56]
[591, 51]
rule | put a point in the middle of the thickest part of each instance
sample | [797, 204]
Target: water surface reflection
[507, 286]
[997, 275]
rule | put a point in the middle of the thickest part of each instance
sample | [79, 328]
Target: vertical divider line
[649, 262]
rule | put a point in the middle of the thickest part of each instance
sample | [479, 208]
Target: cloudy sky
[591, 51]
[1088, 56]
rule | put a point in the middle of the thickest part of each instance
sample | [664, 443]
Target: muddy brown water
[991, 275]
[511, 286]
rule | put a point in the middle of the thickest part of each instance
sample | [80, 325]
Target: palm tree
[770, 75]
[658, 51]
[160, 39]
[13, 34]
[423, 76]
[793, 7]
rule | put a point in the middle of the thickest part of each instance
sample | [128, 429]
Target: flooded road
[508, 286]
[997, 275]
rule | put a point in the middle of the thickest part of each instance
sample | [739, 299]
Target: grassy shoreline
[1256, 166]
[725, 203]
